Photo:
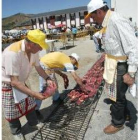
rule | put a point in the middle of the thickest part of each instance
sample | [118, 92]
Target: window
[63, 17]
[52, 17]
[58, 18]
[47, 20]
[72, 16]
[40, 20]
[33, 21]
[81, 15]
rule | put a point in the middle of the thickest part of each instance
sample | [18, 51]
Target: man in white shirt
[18, 100]
[97, 41]
[120, 45]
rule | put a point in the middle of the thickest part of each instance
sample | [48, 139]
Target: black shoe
[39, 115]
[57, 101]
[102, 50]
[98, 51]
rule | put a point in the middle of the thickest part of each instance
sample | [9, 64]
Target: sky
[12, 7]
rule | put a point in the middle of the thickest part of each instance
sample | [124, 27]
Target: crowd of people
[119, 44]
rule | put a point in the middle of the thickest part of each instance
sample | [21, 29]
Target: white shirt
[16, 63]
[119, 39]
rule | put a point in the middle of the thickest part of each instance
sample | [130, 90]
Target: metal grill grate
[69, 121]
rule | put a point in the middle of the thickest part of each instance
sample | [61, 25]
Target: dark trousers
[15, 125]
[119, 108]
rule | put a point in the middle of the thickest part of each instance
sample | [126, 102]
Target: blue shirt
[74, 30]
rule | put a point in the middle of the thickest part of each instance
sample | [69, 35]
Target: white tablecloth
[51, 47]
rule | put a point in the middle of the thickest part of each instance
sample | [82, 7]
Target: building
[128, 8]
[76, 16]
[72, 16]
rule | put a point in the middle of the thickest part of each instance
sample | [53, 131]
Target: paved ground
[101, 117]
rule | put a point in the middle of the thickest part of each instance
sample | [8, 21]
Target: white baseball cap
[94, 5]
[74, 55]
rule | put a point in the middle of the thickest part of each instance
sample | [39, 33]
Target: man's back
[55, 59]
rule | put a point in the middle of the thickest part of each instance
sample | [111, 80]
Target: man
[74, 32]
[91, 31]
[68, 31]
[120, 45]
[97, 41]
[55, 62]
[17, 98]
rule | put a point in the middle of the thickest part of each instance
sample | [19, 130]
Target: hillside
[16, 20]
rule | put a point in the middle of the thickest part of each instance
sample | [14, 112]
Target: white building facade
[69, 17]
[128, 8]
[76, 16]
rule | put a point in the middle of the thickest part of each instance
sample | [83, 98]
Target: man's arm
[129, 44]
[41, 72]
[17, 84]
[79, 82]
[65, 78]
[44, 75]
[60, 73]
[77, 78]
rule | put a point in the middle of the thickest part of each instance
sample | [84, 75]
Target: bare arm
[58, 72]
[65, 78]
[17, 84]
[41, 72]
[44, 75]
[77, 78]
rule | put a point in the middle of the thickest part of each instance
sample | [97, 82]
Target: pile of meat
[92, 81]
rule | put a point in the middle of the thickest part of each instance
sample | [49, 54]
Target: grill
[69, 121]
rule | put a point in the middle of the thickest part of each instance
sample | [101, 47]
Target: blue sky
[11, 7]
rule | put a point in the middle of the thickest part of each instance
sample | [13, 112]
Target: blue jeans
[119, 108]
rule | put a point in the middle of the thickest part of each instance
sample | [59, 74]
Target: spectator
[97, 41]
[120, 45]
[74, 32]
[68, 31]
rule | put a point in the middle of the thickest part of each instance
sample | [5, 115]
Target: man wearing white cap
[56, 62]
[120, 45]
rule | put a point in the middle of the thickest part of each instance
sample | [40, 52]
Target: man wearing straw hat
[120, 45]
[17, 98]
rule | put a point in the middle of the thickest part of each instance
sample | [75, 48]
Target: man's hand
[128, 79]
[66, 80]
[84, 88]
[50, 90]
[39, 96]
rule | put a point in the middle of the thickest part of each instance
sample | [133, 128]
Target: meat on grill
[91, 80]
